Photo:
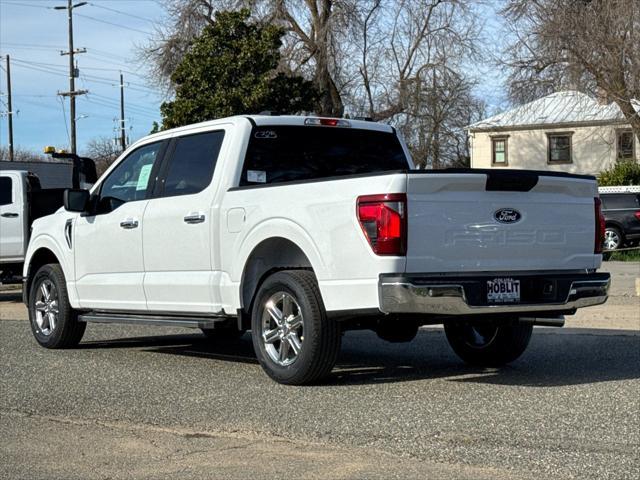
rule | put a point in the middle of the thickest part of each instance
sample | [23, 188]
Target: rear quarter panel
[320, 218]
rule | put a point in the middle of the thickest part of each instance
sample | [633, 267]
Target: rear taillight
[600, 226]
[637, 214]
[383, 219]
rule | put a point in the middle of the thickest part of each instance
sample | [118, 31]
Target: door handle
[9, 215]
[129, 223]
[194, 218]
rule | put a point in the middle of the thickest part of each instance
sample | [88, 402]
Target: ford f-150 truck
[300, 228]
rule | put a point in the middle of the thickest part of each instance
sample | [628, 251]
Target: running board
[165, 320]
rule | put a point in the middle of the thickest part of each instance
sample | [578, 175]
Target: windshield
[289, 153]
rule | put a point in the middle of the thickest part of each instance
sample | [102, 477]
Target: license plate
[503, 290]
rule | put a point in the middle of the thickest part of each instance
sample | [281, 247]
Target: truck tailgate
[499, 221]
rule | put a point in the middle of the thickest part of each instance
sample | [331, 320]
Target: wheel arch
[268, 256]
[42, 256]
[614, 223]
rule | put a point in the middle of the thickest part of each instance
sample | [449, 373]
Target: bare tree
[22, 155]
[590, 45]
[103, 151]
[397, 61]
[309, 25]
[411, 57]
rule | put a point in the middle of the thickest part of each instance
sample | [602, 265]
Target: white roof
[560, 107]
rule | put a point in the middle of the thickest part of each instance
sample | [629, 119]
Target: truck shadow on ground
[570, 357]
[11, 296]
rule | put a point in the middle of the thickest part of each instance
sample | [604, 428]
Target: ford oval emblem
[507, 215]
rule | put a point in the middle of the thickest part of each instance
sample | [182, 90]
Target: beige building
[565, 131]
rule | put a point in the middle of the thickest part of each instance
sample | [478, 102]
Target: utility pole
[123, 138]
[9, 109]
[72, 93]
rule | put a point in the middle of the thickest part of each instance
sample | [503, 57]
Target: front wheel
[53, 322]
[294, 340]
[488, 345]
[613, 238]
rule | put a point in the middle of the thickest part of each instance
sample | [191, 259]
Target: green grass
[627, 256]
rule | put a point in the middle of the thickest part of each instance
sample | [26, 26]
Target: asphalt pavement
[147, 402]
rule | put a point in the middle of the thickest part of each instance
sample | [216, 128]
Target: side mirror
[76, 200]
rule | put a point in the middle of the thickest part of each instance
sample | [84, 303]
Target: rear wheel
[488, 345]
[53, 322]
[294, 340]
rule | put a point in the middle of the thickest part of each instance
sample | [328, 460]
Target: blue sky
[33, 33]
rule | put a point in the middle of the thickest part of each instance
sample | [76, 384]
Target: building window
[624, 142]
[559, 150]
[499, 151]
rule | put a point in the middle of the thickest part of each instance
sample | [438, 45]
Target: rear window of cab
[277, 154]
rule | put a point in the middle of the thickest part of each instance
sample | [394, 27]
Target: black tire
[67, 330]
[615, 236]
[488, 345]
[321, 336]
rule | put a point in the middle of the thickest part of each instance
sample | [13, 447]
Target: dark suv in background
[622, 219]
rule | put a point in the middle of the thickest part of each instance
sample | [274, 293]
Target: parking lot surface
[145, 402]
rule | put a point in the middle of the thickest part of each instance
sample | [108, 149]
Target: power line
[41, 69]
[46, 68]
[113, 24]
[25, 4]
[55, 65]
[101, 103]
[129, 105]
[120, 12]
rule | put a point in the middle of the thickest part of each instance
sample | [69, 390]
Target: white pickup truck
[23, 200]
[299, 228]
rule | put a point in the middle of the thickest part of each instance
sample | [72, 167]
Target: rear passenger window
[6, 195]
[192, 163]
[618, 201]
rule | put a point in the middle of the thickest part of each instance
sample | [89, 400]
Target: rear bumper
[466, 295]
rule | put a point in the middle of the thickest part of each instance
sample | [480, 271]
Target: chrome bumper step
[416, 295]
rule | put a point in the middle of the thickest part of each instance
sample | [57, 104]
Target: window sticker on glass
[143, 178]
[257, 176]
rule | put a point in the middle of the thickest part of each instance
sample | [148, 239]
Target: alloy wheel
[611, 240]
[46, 307]
[282, 328]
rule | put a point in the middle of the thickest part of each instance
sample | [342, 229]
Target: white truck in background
[299, 228]
[23, 200]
